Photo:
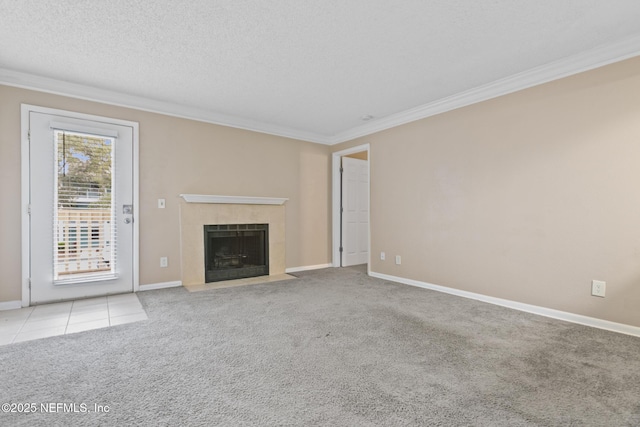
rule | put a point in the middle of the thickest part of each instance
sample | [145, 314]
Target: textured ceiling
[295, 67]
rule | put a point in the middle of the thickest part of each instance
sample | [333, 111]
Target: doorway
[351, 225]
[80, 192]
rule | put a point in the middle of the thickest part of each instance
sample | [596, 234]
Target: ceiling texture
[311, 70]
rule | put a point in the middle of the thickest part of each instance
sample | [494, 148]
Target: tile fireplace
[198, 211]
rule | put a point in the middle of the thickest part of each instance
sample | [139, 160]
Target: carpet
[333, 347]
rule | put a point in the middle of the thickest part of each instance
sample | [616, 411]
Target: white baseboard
[534, 309]
[307, 268]
[163, 285]
[10, 305]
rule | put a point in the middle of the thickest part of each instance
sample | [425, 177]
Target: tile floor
[62, 318]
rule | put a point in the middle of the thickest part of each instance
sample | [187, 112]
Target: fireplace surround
[196, 211]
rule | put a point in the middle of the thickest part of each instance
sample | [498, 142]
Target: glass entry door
[81, 204]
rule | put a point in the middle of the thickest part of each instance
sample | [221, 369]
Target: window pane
[84, 205]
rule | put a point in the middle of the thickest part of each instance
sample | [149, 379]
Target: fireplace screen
[236, 251]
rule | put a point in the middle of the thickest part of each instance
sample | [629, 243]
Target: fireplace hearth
[235, 251]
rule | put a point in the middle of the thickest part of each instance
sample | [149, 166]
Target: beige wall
[526, 197]
[181, 156]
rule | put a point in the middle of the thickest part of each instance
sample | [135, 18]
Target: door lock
[127, 209]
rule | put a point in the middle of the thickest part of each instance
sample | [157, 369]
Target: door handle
[128, 220]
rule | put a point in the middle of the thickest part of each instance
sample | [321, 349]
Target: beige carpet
[333, 348]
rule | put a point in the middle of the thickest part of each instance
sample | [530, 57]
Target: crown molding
[89, 93]
[585, 61]
[588, 60]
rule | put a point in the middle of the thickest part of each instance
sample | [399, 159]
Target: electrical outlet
[161, 203]
[398, 260]
[382, 256]
[164, 262]
[598, 288]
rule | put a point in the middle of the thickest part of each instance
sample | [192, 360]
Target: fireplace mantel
[238, 200]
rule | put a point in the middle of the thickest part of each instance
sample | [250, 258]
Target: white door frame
[26, 185]
[335, 209]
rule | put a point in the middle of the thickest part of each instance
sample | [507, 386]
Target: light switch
[161, 203]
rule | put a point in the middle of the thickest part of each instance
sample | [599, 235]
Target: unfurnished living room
[337, 213]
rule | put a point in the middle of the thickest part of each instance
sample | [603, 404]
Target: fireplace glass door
[236, 251]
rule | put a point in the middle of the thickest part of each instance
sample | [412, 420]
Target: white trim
[238, 200]
[10, 305]
[585, 61]
[307, 268]
[534, 309]
[593, 58]
[25, 185]
[89, 93]
[335, 197]
[136, 204]
[162, 285]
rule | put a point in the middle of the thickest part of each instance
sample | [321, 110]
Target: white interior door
[81, 196]
[355, 211]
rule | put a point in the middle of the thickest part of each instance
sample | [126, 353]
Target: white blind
[81, 129]
[84, 221]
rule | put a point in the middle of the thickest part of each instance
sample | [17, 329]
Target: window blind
[84, 227]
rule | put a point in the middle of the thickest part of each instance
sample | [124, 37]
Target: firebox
[235, 251]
